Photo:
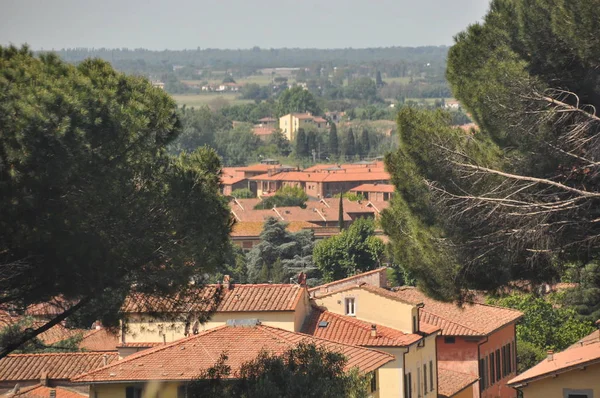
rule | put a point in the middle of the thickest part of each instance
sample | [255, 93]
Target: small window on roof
[323, 324]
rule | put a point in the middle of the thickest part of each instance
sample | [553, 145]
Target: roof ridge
[48, 354]
[152, 350]
[424, 309]
[323, 339]
[349, 278]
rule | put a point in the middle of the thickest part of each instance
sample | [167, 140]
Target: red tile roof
[257, 297]
[593, 337]
[186, 358]
[565, 361]
[469, 320]
[139, 345]
[389, 188]
[352, 331]
[261, 130]
[57, 366]
[331, 286]
[254, 228]
[99, 340]
[58, 333]
[302, 176]
[39, 391]
[451, 383]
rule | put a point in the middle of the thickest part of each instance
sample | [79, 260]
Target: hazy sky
[157, 25]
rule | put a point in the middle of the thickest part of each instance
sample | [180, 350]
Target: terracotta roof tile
[258, 297]
[332, 285]
[254, 228]
[39, 391]
[62, 366]
[352, 331]
[139, 345]
[186, 358]
[303, 176]
[573, 358]
[99, 340]
[593, 337]
[262, 130]
[58, 333]
[469, 320]
[374, 188]
[451, 382]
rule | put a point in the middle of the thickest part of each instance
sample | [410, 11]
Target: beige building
[572, 373]
[290, 124]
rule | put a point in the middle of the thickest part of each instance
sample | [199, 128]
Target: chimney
[550, 355]
[98, 325]
[104, 360]
[373, 331]
[53, 393]
[44, 378]
[302, 279]
[227, 282]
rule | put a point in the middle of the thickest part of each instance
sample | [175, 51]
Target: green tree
[280, 254]
[238, 146]
[378, 80]
[341, 222]
[349, 143]
[354, 250]
[585, 297]
[306, 370]
[301, 144]
[91, 204]
[198, 128]
[333, 144]
[365, 145]
[285, 196]
[297, 100]
[363, 89]
[228, 79]
[515, 200]
[281, 142]
[243, 193]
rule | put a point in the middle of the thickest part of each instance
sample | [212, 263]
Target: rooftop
[469, 320]
[561, 362]
[185, 359]
[386, 188]
[319, 176]
[57, 366]
[257, 297]
[348, 330]
[451, 383]
[40, 391]
[254, 228]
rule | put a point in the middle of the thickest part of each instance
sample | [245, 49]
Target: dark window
[498, 359]
[425, 378]
[510, 357]
[492, 369]
[373, 382]
[449, 340]
[182, 391]
[133, 392]
[408, 385]
[431, 376]
[415, 325]
[482, 372]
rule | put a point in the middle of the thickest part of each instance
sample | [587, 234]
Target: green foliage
[585, 297]
[354, 250]
[349, 144]
[362, 89]
[544, 325]
[286, 196]
[243, 193]
[306, 370]
[91, 203]
[333, 144]
[11, 333]
[238, 145]
[296, 100]
[528, 355]
[280, 254]
[301, 144]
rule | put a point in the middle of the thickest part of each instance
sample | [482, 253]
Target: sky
[189, 24]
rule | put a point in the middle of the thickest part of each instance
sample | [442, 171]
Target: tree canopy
[306, 370]
[90, 202]
[519, 198]
[297, 100]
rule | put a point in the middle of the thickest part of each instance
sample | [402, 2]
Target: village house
[233, 178]
[167, 369]
[375, 192]
[290, 124]
[572, 373]
[475, 339]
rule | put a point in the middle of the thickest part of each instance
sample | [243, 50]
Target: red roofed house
[54, 369]
[476, 339]
[375, 192]
[572, 373]
[175, 364]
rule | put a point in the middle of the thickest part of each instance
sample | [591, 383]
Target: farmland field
[198, 100]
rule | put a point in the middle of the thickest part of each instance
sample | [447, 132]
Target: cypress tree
[364, 143]
[350, 143]
[301, 147]
[333, 140]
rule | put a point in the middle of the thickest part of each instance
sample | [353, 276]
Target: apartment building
[290, 124]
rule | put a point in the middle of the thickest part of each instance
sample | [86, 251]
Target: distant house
[335, 116]
[158, 84]
[264, 132]
[452, 104]
[375, 192]
[572, 373]
[290, 124]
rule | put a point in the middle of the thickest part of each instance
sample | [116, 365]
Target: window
[418, 381]
[425, 378]
[431, 376]
[492, 369]
[373, 381]
[415, 325]
[407, 385]
[569, 393]
[133, 392]
[449, 339]
[350, 306]
[182, 391]
[498, 359]
[482, 373]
